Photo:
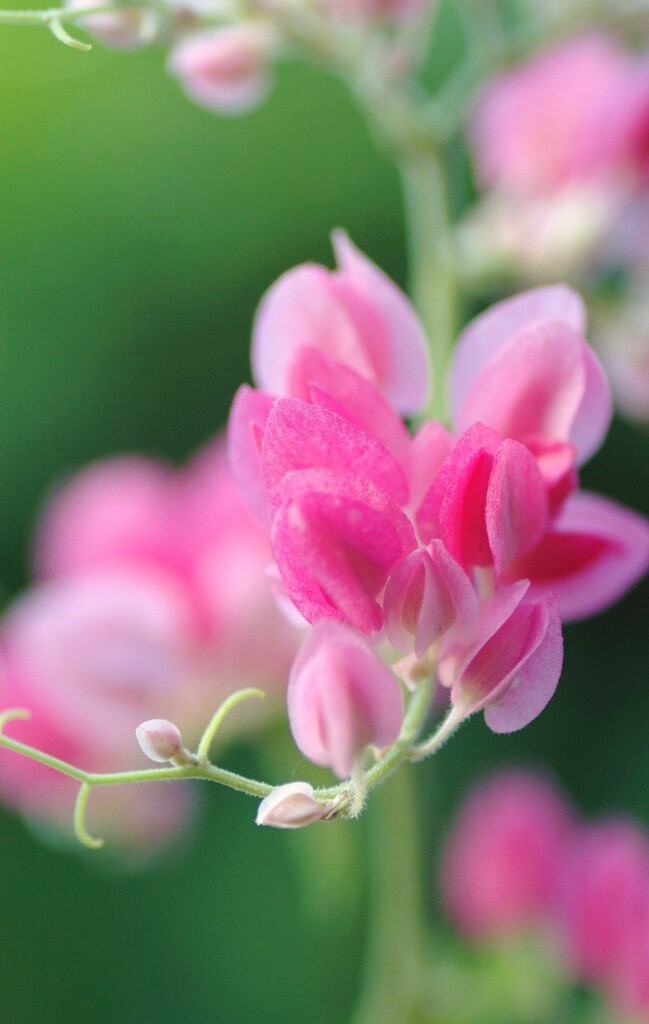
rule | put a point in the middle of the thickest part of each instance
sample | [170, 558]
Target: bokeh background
[137, 234]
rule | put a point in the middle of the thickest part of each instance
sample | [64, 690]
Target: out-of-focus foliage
[138, 234]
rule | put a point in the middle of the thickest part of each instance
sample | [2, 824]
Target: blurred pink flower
[503, 859]
[225, 69]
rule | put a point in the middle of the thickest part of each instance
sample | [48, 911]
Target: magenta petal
[516, 504]
[595, 411]
[246, 425]
[302, 436]
[494, 328]
[301, 308]
[406, 379]
[534, 684]
[595, 552]
[336, 538]
[327, 382]
[340, 698]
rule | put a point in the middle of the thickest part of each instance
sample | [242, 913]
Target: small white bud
[159, 739]
[292, 806]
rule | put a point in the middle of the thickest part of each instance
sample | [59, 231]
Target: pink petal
[430, 446]
[327, 382]
[302, 436]
[595, 552]
[246, 425]
[302, 309]
[340, 698]
[292, 805]
[224, 69]
[494, 328]
[516, 504]
[427, 595]
[406, 378]
[335, 538]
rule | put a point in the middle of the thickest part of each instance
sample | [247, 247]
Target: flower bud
[159, 739]
[292, 806]
[125, 30]
[224, 70]
[341, 698]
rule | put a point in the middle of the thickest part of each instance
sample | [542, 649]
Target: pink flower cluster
[518, 860]
[463, 550]
[152, 602]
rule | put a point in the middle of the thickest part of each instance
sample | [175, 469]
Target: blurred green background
[137, 235]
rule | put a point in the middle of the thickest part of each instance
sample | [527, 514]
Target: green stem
[433, 279]
[395, 947]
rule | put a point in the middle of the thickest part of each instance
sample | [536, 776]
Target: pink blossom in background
[397, 10]
[570, 113]
[605, 900]
[190, 528]
[503, 859]
[225, 69]
[125, 30]
[87, 658]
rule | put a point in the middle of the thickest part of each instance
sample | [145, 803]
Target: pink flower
[561, 117]
[355, 314]
[292, 806]
[605, 900]
[341, 698]
[90, 659]
[189, 527]
[503, 860]
[125, 30]
[511, 664]
[398, 10]
[225, 69]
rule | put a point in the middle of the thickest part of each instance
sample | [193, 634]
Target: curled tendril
[203, 749]
[11, 714]
[60, 32]
[79, 819]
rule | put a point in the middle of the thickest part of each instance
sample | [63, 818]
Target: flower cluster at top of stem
[518, 861]
[461, 550]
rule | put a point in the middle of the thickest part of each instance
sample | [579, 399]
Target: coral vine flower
[464, 550]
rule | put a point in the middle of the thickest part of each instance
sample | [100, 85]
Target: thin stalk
[394, 956]
[434, 285]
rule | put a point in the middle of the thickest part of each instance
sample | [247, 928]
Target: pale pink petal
[302, 309]
[491, 330]
[406, 378]
[301, 436]
[595, 552]
[341, 698]
[336, 538]
[246, 425]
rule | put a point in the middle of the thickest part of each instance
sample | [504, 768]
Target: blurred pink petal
[504, 858]
[341, 698]
[594, 553]
[336, 538]
[430, 446]
[605, 898]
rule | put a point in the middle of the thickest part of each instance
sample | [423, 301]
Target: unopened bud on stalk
[159, 739]
[292, 806]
